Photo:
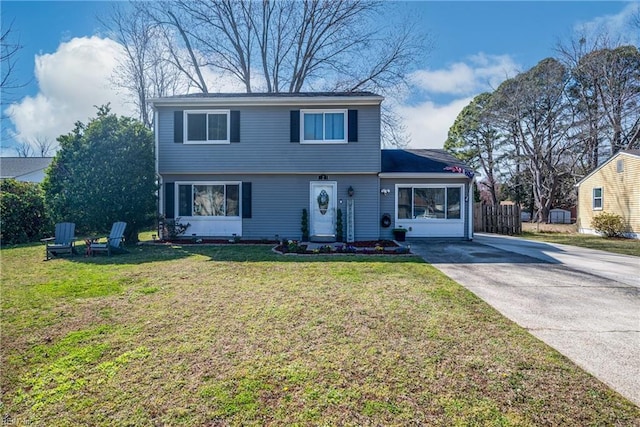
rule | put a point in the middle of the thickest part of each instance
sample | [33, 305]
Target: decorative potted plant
[339, 226]
[399, 234]
[305, 225]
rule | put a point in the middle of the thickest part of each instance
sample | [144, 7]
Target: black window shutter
[353, 126]
[234, 135]
[185, 200]
[169, 200]
[295, 125]
[178, 126]
[246, 200]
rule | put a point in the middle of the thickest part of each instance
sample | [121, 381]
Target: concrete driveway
[582, 302]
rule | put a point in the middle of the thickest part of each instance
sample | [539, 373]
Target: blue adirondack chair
[114, 241]
[63, 242]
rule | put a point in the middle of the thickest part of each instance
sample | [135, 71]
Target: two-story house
[248, 164]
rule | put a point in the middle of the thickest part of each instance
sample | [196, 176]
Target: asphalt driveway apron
[582, 302]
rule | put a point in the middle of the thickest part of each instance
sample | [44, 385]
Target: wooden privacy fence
[502, 219]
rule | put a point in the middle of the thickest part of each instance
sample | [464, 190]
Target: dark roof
[632, 152]
[272, 95]
[14, 167]
[420, 161]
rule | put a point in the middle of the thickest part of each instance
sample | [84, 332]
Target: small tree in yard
[103, 173]
[22, 212]
[608, 224]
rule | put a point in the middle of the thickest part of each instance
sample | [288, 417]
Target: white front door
[323, 203]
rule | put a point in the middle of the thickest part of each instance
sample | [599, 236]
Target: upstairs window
[328, 126]
[206, 127]
[597, 199]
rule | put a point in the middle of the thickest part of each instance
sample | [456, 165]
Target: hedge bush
[22, 212]
[608, 224]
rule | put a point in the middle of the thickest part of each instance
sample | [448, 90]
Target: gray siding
[278, 200]
[265, 146]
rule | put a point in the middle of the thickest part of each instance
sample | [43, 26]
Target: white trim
[156, 159]
[324, 140]
[593, 198]
[334, 196]
[208, 172]
[431, 220]
[627, 234]
[185, 127]
[233, 101]
[156, 141]
[434, 227]
[470, 208]
[176, 198]
[418, 175]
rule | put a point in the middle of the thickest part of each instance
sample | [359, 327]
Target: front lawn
[237, 335]
[615, 245]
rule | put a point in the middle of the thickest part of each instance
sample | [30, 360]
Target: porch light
[385, 191]
[350, 191]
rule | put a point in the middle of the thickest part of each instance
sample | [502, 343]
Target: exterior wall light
[385, 191]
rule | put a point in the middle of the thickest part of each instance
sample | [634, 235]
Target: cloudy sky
[66, 61]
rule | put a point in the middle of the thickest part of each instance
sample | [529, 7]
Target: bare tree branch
[44, 146]
[200, 81]
[9, 48]
[24, 149]
[288, 46]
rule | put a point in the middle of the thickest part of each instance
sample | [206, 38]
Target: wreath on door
[323, 202]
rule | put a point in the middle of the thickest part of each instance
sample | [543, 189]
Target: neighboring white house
[26, 169]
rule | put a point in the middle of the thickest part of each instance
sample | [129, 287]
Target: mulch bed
[372, 247]
[368, 247]
[199, 241]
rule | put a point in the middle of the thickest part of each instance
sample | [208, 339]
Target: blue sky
[67, 60]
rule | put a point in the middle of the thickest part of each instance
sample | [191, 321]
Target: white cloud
[479, 73]
[220, 82]
[618, 26]
[71, 81]
[429, 123]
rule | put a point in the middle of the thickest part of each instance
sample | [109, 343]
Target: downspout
[160, 209]
[470, 208]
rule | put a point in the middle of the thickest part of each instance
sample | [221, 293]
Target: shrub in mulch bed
[381, 247]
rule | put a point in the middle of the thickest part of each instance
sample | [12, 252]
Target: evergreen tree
[104, 172]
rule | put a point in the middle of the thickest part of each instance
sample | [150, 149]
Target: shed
[559, 216]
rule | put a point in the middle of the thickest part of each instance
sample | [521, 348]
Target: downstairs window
[209, 200]
[429, 202]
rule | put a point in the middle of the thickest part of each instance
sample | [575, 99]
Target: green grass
[237, 335]
[619, 246]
